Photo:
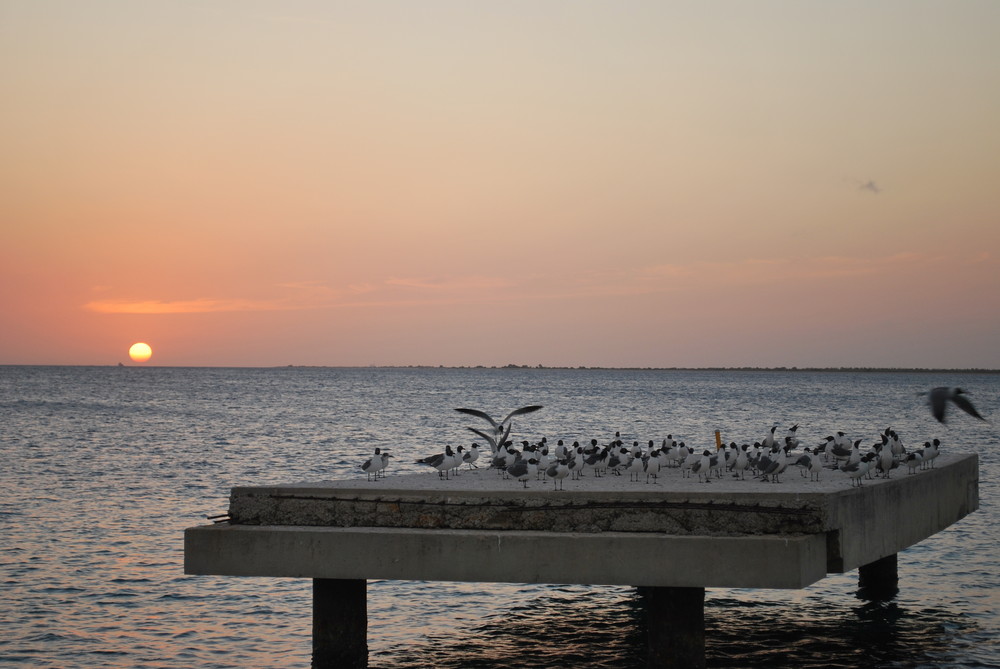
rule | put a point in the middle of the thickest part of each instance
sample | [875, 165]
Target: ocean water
[102, 468]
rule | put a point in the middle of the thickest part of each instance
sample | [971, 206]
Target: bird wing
[938, 399]
[480, 414]
[965, 405]
[522, 410]
[488, 438]
[432, 460]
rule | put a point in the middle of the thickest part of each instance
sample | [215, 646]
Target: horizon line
[713, 368]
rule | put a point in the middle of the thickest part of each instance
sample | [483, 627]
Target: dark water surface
[102, 468]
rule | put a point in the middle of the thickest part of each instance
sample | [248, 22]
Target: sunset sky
[564, 183]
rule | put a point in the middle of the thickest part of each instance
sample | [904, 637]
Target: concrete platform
[478, 509]
[507, 557]
[678, 536]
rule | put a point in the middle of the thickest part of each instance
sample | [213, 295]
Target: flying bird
[501, 429]
[498, 425]
[939, 398]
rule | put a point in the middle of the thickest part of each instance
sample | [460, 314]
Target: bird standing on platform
[442, 462]
[857, 470]
[886, 460]
[776, 467]
[471, 455]
[634, 469]
[931, 450]
[853, 456]
[558, 471]
[703, 465]
[741, 462]
[523, 470]
[375, 464]
[651, 464]
[792, 436]
[810, 462]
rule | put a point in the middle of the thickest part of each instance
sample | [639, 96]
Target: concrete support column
[340, 623]
[675, 623]
[879, 580]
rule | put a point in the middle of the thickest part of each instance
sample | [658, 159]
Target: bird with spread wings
[501, 429]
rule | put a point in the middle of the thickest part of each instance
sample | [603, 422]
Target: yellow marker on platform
[718, 440]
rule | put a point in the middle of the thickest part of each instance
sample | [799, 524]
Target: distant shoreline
[911, 370]
[886, 370]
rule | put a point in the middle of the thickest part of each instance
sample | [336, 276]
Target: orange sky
[462, 183]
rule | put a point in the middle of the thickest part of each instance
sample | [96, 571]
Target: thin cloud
[442, 291]
[303, 295]
[200, 306]
[448, 284]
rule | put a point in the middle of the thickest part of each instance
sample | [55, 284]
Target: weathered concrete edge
[881, 520]
[605, 558]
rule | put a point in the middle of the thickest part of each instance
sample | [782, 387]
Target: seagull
[593, 461]
[614, 462]
[931, 451]
[769, 439]
[777, 465]
[853, 456]
[811, 463]
[792, 436]
[703, 466]
[857, 470]
[741, 462]
[471, 455]
[651, 463]
[558, 471]
[498, 427]
[886, 460]
[376, 463]
[523, 470]
[765, 460]
[940, 396]
[543, 457]
[442, 462]
[634, 468]
[505, 457]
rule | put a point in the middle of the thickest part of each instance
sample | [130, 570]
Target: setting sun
[140, 352]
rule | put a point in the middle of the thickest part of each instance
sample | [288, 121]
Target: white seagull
[471, 455]
[375, 464]
[858, 469]
[498, 427]
[558, 471]
[523, 470]
[442, 462]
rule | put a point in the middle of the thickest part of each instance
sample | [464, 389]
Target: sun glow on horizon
[140, 352]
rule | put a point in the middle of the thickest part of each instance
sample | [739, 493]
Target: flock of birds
[766, 460]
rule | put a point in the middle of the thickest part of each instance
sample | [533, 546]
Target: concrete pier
[679, 535]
